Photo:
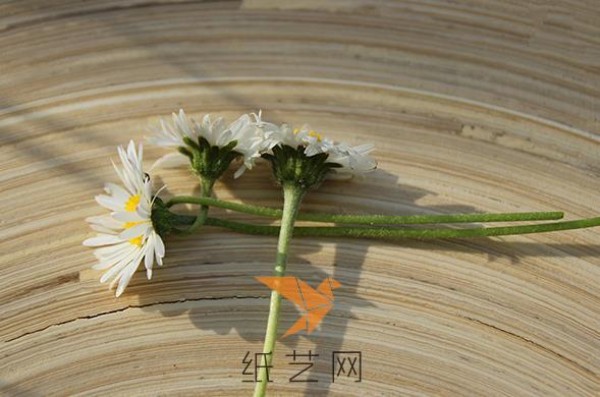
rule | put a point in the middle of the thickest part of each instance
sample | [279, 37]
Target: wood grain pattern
[473, 106]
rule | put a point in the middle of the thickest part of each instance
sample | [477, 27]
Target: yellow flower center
[136, 241]
[311, 133]
[315, 134]
[132, 203]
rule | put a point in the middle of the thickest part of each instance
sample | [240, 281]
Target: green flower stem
[369, 219]
[397, 233]
[292, 196]
[428, 234]
[207, 188]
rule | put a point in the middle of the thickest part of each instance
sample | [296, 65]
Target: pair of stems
[390, 232]
[292, 199]
[395, 233]
[367, 219]
[206, 186]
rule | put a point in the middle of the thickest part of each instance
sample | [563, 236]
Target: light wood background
[478, 105]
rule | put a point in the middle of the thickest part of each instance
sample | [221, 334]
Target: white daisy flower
[244, 131]
[127, 235]
[351, 160]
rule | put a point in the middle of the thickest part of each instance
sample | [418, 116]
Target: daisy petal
[110, 202]
[102, 239]
[171, 160]
[126, 275]
[124, 262]
[159, 249]
[135, 231]
[149, 259]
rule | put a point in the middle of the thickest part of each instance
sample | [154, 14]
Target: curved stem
[397, 233]
[369, 219]
[207, 188]
[292, 196]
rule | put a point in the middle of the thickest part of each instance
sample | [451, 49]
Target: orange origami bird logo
[316, 303]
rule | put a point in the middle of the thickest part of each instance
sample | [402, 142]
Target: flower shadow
[214, 272]
[222, 281]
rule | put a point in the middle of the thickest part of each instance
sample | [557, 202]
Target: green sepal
[292, 167]
[209, 162]
[185, 152]
[163, 220]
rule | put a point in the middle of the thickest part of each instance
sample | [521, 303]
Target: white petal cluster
[127, 235]
[353, 160]
[245, 131]
[255, 137]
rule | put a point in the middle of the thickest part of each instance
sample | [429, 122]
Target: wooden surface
[474, 105]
